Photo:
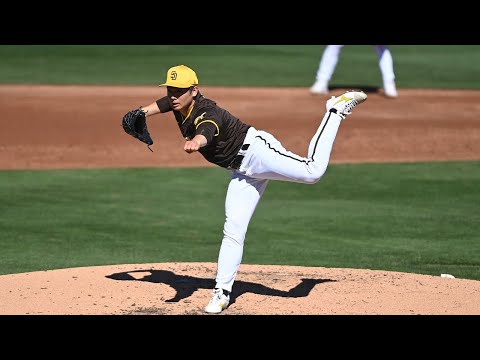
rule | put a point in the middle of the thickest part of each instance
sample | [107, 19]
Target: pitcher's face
[181, 98]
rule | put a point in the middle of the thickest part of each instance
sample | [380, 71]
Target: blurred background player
[329, 61]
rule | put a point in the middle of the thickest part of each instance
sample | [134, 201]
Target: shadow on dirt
[187, 285]
[366, 89]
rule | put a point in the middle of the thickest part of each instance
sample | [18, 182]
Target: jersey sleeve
[207, 124]
[164, 104]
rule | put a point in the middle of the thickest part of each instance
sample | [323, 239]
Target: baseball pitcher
[252, 156]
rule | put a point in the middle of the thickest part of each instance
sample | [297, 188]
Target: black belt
[237, 161]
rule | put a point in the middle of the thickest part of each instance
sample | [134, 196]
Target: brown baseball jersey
[224, 132]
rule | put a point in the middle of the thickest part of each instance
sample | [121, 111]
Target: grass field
[420, 218]
[416, 66]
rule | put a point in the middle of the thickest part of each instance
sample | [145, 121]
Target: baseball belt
[237, 161]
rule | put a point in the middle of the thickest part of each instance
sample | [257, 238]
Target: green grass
[416, 66]
[420, 218]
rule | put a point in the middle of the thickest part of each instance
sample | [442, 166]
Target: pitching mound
[184, 289]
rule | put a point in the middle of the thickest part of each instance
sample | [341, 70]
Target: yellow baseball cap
[180, 76]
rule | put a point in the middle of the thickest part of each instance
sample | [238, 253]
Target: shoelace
[216, 295]
[349, 107]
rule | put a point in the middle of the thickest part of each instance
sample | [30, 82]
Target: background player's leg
[327, 65]
[241, 200]
[385, 62]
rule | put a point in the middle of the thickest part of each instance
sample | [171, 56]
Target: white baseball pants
[331, 54]
[266, 159]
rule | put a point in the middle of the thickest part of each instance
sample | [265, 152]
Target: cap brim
[177, 85]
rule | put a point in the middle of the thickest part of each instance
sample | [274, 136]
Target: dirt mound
[184, 289]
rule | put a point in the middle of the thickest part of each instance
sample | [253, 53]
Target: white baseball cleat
[320, 87]
[218, 302]
[390, 89]
[343, 105]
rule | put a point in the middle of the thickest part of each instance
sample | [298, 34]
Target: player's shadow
[366, 89]
[185, 285]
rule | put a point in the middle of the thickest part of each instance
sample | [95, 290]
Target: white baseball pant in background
[329, 60]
